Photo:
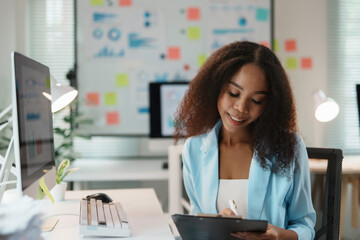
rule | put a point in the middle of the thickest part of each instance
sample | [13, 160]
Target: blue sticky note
[262, 14]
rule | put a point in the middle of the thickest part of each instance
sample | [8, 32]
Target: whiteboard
[122, 45]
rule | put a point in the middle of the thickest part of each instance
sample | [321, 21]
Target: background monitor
[164, 100]
[33, 126]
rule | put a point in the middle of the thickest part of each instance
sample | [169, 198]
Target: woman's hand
[227, 211]
[272, 233]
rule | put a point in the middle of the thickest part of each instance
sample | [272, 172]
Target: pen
[233, 206]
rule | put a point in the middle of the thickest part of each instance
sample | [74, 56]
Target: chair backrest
[326, 191]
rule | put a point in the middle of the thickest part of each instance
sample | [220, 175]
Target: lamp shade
[61, 95]
[326, 109]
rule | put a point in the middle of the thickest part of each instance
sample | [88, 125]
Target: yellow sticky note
[275, 45]
[201, 59]
[96, 2]
[110, 98]
[45, 189]
[122, 80]
[291, 63]
[193, 33]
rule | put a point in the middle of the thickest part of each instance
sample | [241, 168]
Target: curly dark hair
[274, 132]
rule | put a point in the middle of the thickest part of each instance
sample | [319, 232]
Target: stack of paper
[21, 219]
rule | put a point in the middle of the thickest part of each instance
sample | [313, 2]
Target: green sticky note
[291, 63]
[262, 14]
[201, 59]
[110, 98]
[275, 45]
[48, 83]
[44, 188]
[193, 33]
[122, 80]
[96, 2]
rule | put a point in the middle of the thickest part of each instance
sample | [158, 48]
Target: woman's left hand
[272, 233]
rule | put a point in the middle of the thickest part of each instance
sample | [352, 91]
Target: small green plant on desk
[62, 172]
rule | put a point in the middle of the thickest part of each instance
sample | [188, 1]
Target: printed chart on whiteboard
[123, 45]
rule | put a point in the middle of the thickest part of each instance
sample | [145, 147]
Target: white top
[235, 189]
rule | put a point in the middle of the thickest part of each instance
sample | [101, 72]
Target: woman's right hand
[227, 211]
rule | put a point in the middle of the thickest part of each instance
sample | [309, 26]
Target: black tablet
[214, 227]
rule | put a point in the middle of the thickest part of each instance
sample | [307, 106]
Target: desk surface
[146, 217]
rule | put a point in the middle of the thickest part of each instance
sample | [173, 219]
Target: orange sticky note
[290, 45]
[92, 99]
[306, 63]
[265, 43]
[112, 118]
[173, 53]
[193, 13]
[125, 3]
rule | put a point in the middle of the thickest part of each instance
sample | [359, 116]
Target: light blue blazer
[284, 201]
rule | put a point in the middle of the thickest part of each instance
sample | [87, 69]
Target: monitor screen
[33, 127]
[164, 100]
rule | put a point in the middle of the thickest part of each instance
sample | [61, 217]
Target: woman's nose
[241, 105]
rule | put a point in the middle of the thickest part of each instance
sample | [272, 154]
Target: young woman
[242, 143]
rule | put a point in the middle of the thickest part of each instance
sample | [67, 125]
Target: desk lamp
[326, 109]
[61, 96]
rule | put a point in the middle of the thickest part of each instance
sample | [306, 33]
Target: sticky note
[193, 33]
[290, 45]
[265, 43]
[125, 3]
[112, 118]
[96, 2]
[291, 63]
[275, 45]
[110, 98]
[92, 99]
[122, 80]
[44, 188]
[262, 14]
[193, 13]
[201, 59]
[306, 63]
[173, 53]
[48, 83]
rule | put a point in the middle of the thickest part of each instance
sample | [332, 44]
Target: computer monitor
[164, 100]
[32, 125]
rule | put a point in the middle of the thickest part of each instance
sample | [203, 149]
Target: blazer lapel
[258, 184]
[211, 170]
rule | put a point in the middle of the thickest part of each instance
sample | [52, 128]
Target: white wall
[12, 38]
[304, 21]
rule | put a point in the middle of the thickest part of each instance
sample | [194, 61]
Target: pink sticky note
[193, 13]
[265, 43]
[125, 3]
[173, 53]
[290, 45]
[306, 63]
[92, 99]
[112, 118]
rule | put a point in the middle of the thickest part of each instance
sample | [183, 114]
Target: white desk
[146, 217]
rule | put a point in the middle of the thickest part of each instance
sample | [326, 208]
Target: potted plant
[58, 192]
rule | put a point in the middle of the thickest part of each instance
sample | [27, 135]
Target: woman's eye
[256, 102]
[233, 94]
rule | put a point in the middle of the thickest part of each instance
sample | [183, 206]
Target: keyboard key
[100, 212]
[108, 218]
[83, 212]
[93, 213]
[115, 215]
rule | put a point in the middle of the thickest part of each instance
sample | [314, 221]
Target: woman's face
[243, 99]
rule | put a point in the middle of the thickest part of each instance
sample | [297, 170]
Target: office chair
[327, 203]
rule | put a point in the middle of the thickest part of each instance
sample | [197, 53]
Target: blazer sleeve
[301, 213]
[188, 176]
